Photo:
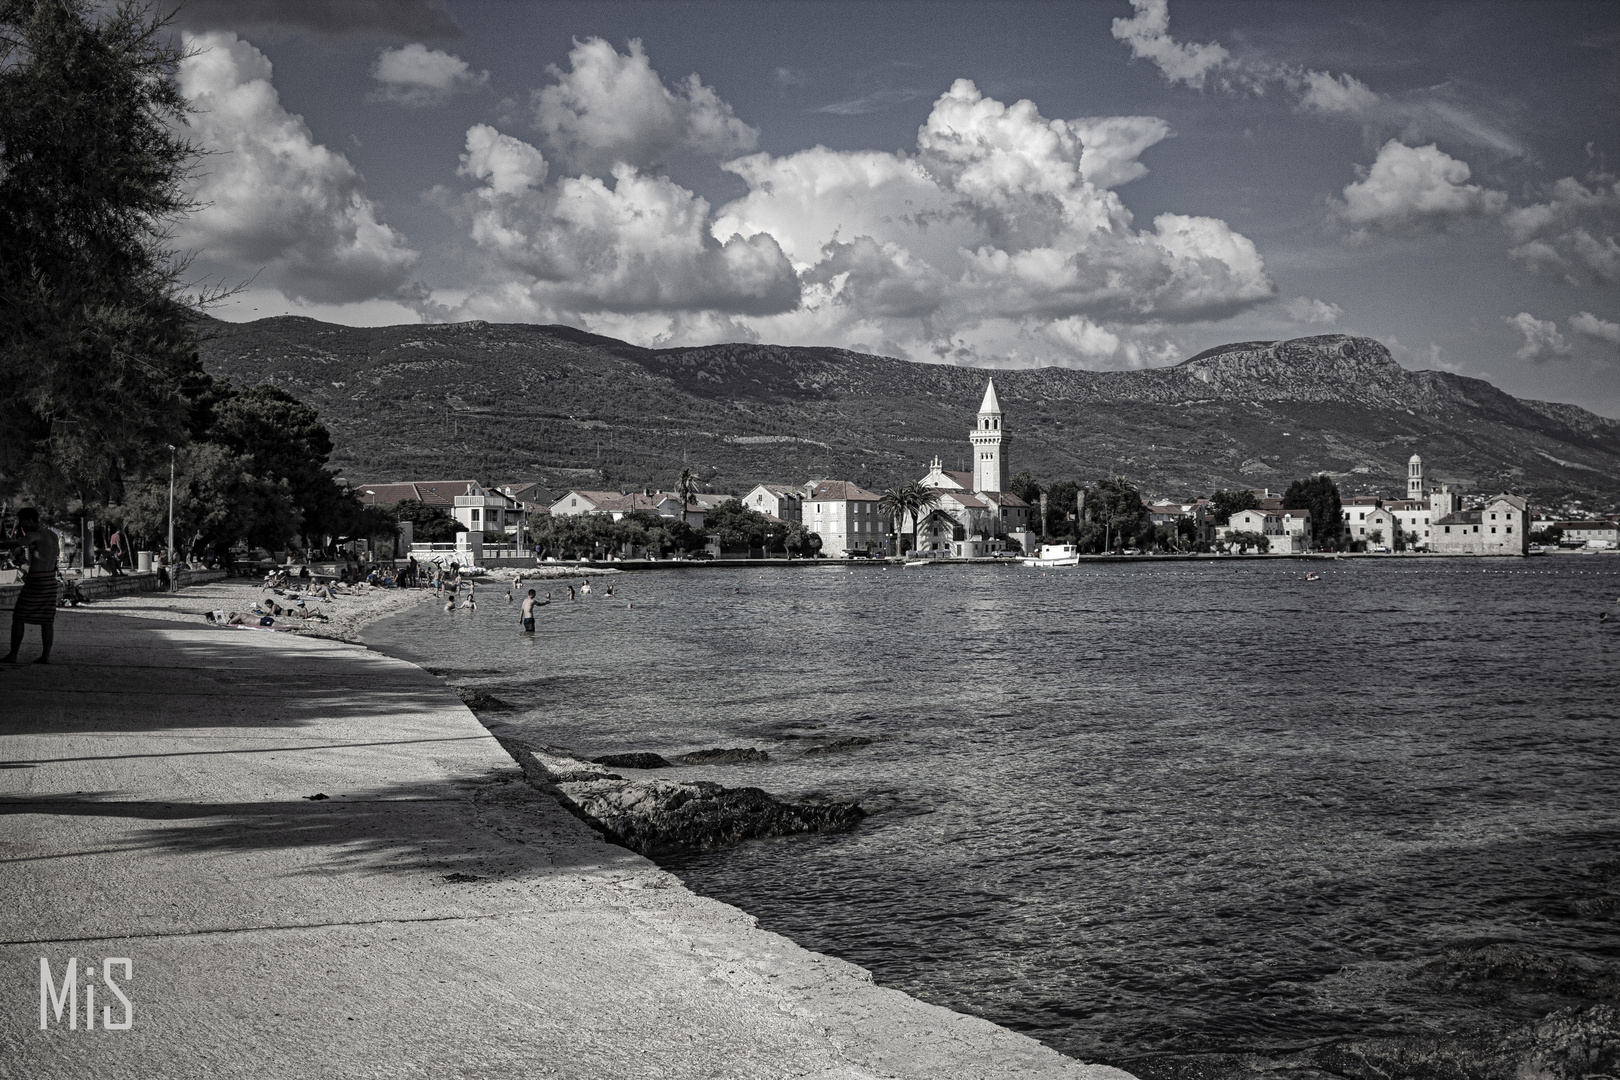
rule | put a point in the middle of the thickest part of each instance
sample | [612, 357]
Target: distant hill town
[572, 410]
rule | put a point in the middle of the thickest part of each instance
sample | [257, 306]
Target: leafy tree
[1223, 504]
[1550, 536]
[1024, 486]
[686, 487]
[94, 341]
[429, 524]
[1062, 508]
[1319, 495]
[1243, 541]
[1117, 507]
[220, 499]
[737, 526]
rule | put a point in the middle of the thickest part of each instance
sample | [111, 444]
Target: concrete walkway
[433, 916]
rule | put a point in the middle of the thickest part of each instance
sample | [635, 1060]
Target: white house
[616, 503]
[1287, 532]
[777, 500]
[1595, 533]
[846, 516]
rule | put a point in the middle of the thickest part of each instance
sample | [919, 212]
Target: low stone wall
[98, 588]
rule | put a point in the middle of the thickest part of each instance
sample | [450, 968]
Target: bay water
[1138, 810]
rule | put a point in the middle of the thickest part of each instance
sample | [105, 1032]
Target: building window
[475, 514]
[1510, 528]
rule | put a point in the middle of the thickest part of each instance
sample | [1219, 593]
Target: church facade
[976, 516]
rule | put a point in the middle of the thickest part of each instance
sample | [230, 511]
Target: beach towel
[37, 602]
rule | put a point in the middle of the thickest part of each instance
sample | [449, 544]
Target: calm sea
[1134, 808]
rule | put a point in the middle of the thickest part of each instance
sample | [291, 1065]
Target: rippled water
[1134, 808]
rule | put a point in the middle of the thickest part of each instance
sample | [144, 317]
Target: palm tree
[686, 487]
[911, 500]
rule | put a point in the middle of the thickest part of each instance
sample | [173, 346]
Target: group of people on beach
[449, 586]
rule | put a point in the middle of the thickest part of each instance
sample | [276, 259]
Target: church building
[976, 516]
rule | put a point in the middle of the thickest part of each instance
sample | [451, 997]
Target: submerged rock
[838, 745]
[478, 701]
[633, 761]
[723, 757]
[663, 817]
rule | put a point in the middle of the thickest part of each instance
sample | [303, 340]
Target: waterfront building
[845, 515]
[1287, 532]
[1500, 527]
[781, 501]
[1594, 533]
[616, 503]
[482, 511]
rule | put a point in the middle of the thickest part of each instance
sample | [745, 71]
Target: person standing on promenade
[37, 602]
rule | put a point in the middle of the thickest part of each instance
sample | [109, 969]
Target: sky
[1103, 185]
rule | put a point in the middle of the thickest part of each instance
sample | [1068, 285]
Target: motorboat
[1055, 555]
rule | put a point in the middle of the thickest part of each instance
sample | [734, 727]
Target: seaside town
[923, 540]
[942, 516]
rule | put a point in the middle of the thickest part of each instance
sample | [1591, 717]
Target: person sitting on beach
[37, 602]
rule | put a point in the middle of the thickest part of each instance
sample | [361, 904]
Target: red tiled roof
[431, 492]
[838, 491]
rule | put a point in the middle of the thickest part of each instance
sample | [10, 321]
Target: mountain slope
[574, 409]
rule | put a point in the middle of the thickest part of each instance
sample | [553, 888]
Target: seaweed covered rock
[739, 755]
[663, 817]
[633, 761]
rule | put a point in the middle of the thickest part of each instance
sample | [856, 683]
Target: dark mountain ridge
[574, 409]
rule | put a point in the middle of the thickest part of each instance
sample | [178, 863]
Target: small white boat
[1055, 555]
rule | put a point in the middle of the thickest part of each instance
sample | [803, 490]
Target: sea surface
[1138, 810]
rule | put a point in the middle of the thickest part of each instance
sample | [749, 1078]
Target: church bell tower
[989, 445]
[1414, 477]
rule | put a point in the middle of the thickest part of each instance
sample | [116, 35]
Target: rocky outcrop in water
[739, 756]
[663, 817]
[633, 761]
[836, 746]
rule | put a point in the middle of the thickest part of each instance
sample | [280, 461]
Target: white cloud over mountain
[1410, 190]
[1589, 325]
[997, 240]
[1542, 341]
[418, 77]
[612, 108]
[1555, 238]
[274, 200]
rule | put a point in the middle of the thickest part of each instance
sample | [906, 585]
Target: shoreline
[680, 984]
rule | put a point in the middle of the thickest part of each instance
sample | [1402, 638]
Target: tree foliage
[1223, 504]
[429, 524]
[1320, 495]
[909, 502]
[1243, 541]
[1114, 508]
[94, 344]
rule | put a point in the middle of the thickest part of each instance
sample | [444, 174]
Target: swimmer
[508, 596]
[526, 611]
[585, 587]
[450, 604]
[610, 590]
[570, 592]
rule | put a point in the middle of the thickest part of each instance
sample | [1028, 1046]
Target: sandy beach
[345, 615]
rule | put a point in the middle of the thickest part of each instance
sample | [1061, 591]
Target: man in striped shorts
[37, 602]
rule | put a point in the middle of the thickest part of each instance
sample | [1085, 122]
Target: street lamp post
[171, 512]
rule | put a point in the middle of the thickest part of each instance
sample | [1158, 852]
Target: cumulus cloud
[1555, 238]
[1429, 113]
[1410, 190]
[1303, 309]
[997, 240]
[417, 77]
[1148, 34]
[612, 108]
[274, 199]
[1542, 341]
[640, 244]
[1589, 325]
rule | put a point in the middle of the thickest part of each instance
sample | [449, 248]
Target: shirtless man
[37, 602]
[527, 610]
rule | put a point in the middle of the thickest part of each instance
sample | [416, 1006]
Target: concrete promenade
[432, 916]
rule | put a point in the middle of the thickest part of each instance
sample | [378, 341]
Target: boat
[1055, 555]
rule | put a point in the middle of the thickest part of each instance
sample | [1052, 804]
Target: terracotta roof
[431, 492]
[838, 490]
